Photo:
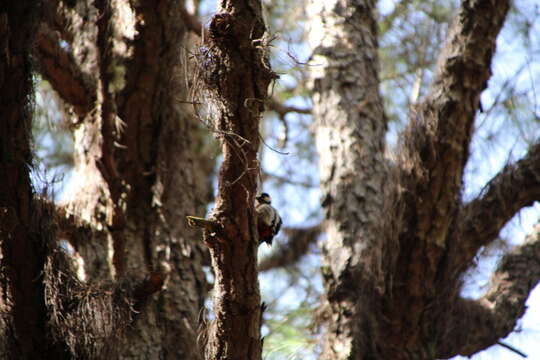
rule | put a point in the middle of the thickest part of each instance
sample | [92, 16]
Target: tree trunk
[137, 144]
[350, 141]
[23, 227]
[396, 248]
[236, 73]
[136, 177]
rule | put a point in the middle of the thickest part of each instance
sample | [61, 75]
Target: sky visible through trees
[510, 122]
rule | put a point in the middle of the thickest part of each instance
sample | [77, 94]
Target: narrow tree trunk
[237, 75]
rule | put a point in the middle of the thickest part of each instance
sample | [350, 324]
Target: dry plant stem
[238, 82]
[283, 110]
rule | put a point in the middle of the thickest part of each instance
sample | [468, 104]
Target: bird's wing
[265, 214]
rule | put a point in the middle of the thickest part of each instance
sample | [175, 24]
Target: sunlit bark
[398, 237]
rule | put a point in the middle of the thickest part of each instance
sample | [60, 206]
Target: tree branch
[495, 315]
[435, 148]
[68, 223]
[59, 67]
[285, 179]
[298, 242]
[283, 110]
[236, 74]
[512, 349]
[437, 140]
[515, 187]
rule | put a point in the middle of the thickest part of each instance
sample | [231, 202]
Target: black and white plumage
[268, 219]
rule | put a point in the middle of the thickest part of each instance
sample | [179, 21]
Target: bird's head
[264, 198]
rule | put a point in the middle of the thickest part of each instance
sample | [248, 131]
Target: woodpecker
[268, 220]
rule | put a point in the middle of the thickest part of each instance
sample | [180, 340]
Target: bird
[268, 219]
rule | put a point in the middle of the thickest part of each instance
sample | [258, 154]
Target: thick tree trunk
[136, 168]
[395, 254]
[23, 228]
[350, 141]
[398, 235]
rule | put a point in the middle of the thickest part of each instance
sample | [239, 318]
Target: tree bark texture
[118, 67]
[399, 236]
[350, 140]
[236, 74]
[23, 317]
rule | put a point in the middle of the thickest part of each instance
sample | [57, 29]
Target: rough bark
[157, 136]
[236, 73]
[23, 246]
[392, 270]
[350, 142]
[134, 162]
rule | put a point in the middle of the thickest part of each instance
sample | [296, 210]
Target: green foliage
[288, 336]
[293, 296]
